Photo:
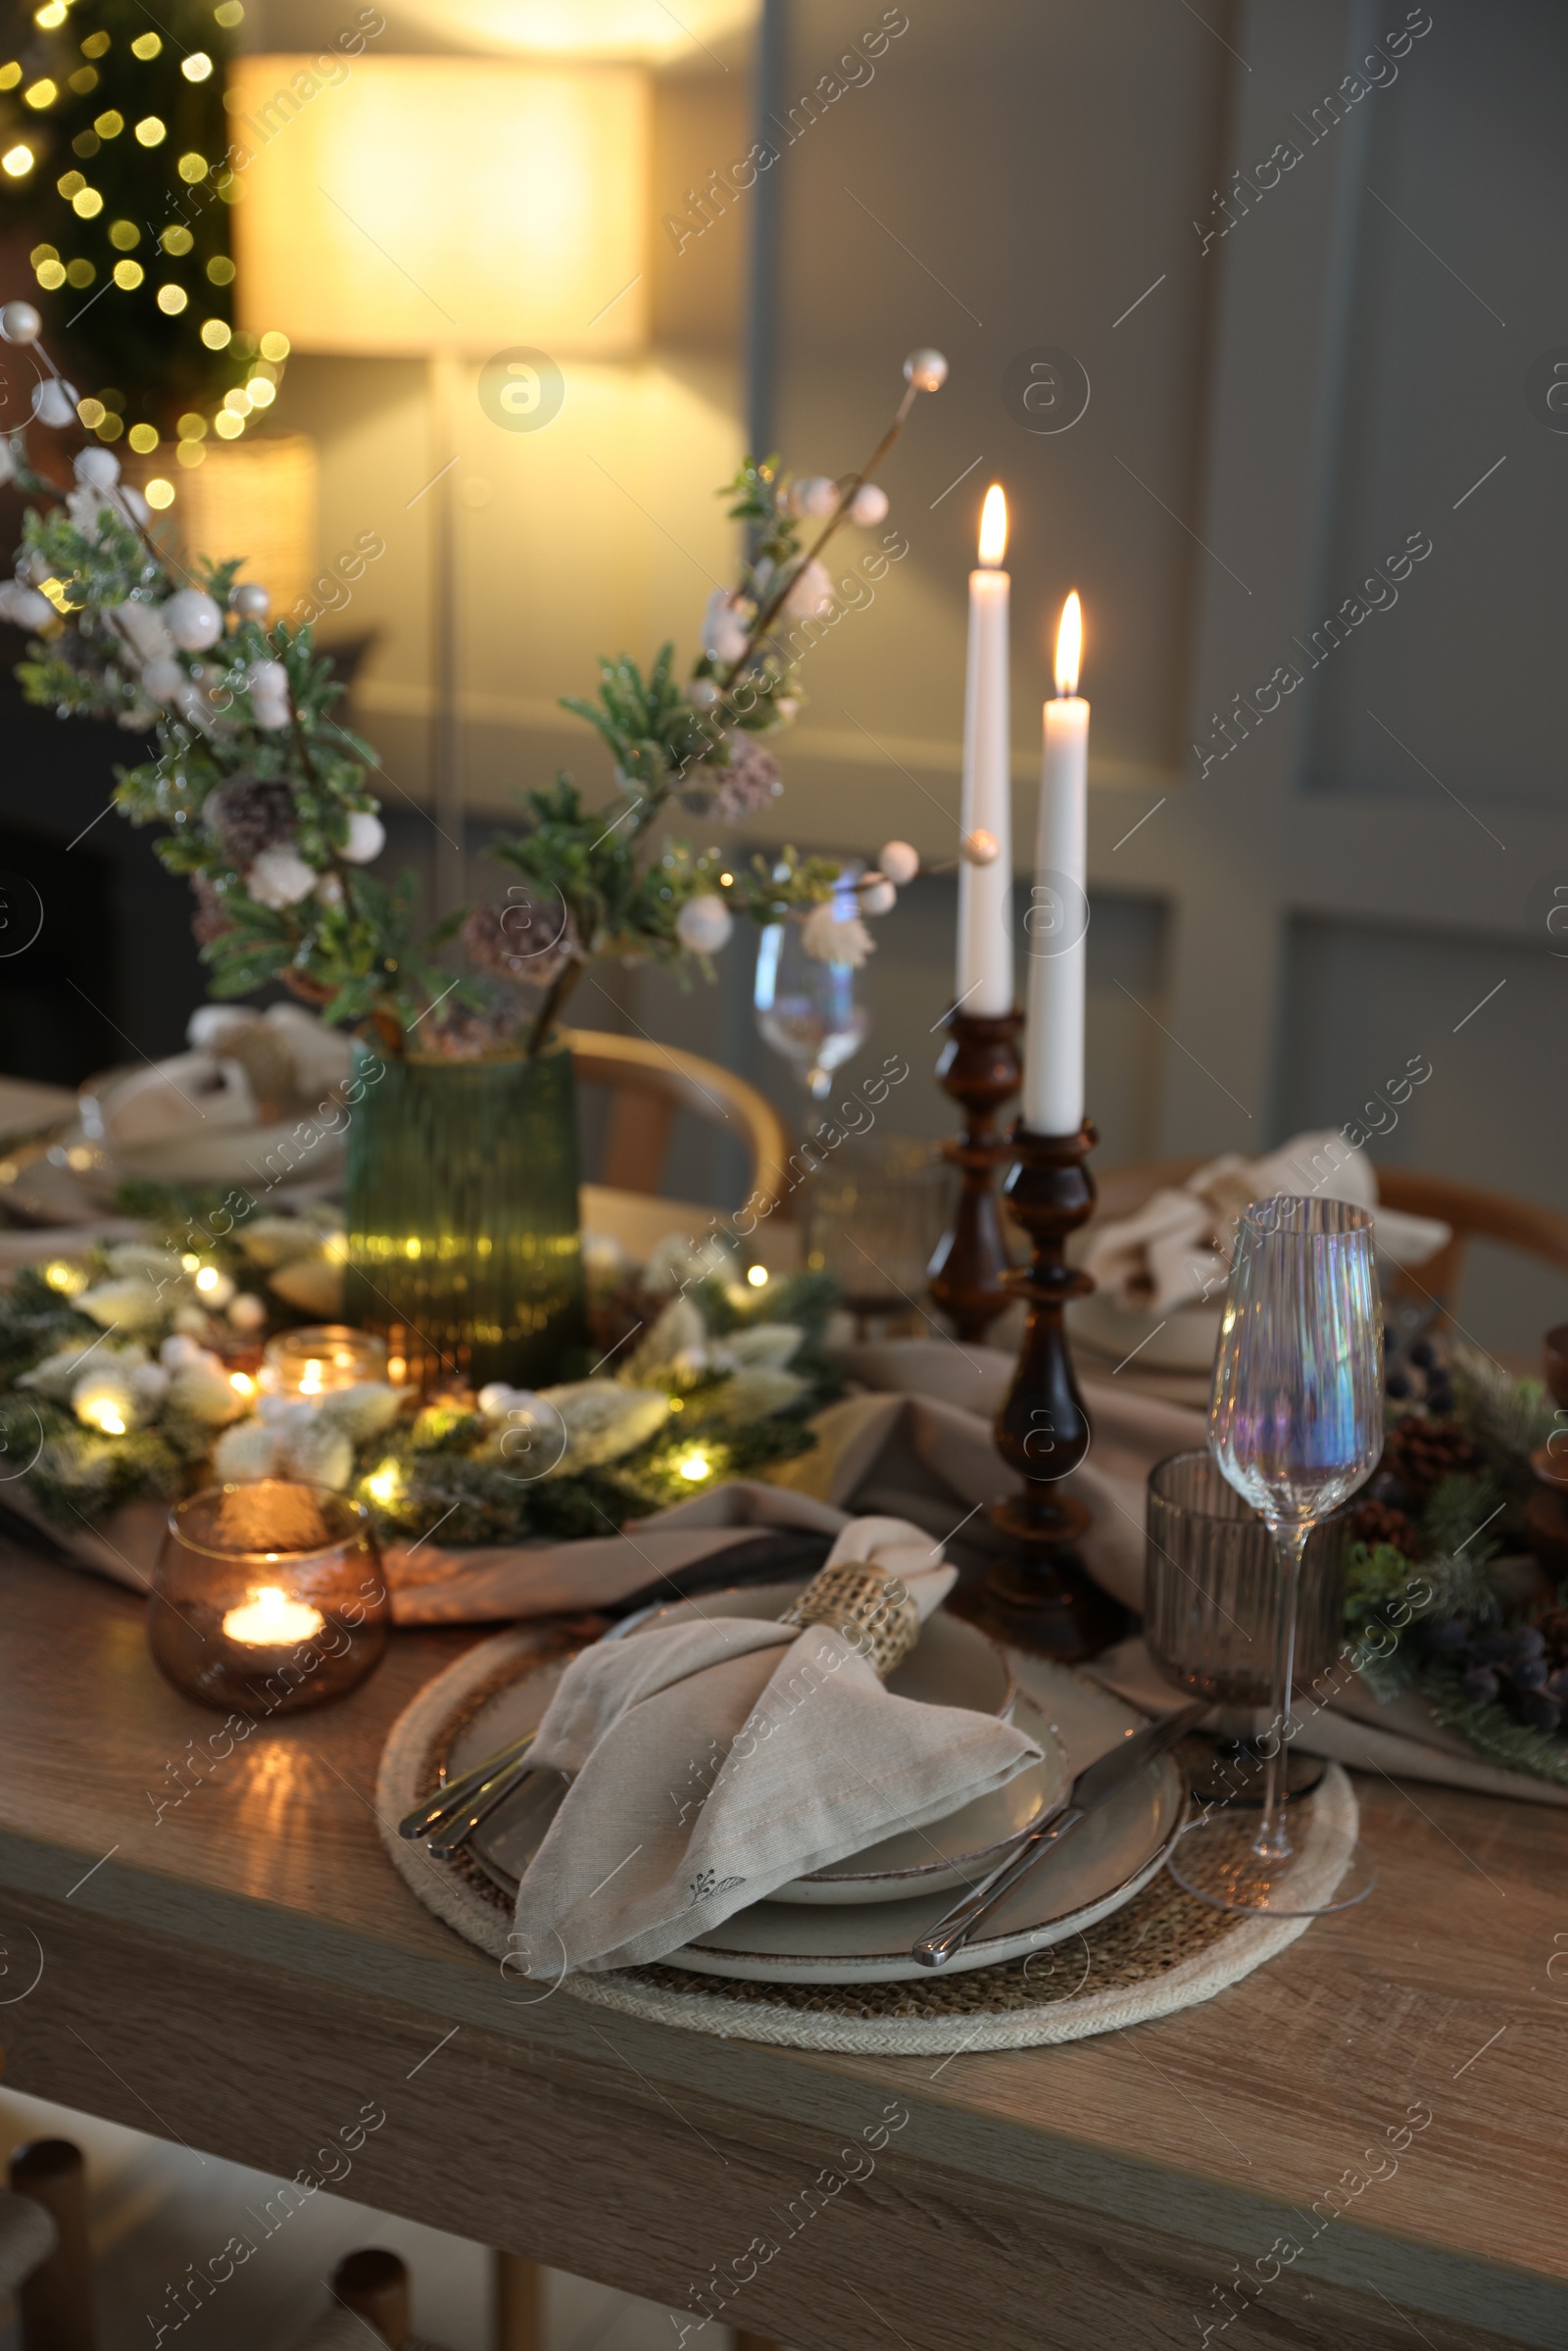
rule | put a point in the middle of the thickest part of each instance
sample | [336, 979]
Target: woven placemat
[1161, 1952]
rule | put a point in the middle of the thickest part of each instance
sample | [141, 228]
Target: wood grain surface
[244, 1972]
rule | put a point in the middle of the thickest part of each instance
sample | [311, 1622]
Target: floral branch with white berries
[264, 793]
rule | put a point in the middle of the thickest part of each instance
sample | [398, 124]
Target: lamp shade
[419, 204]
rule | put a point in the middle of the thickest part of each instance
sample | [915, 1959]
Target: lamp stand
[1041, 1595]
[444, 386]
[979, 1068]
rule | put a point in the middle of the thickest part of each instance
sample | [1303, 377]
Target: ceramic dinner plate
[1104, 1862]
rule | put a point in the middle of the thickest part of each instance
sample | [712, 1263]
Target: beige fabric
[1174, 1251]
[714, 1760]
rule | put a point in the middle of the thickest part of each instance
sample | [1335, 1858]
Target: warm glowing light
[191, 427]
[128, 275]
[229, 13]
[209, 1276]
[756, 1275]
[197, 66]
[87, 204]
[110, 123]
[176, 240]
[172, 300]
[160, 491]
[263, 394]
[216, 333]
[100, 1413]
[146, 45]
[62, 1275]
[693, 1467]
[125, 235]
[382, 1486]
[1069, 645]
[40, 93]
[242, 1383]
[152, 133]
[310, 1377]
[17, 161]
[552, 160]
[190, 452]
[397, 1370]
[189, 1262]
[53, 14]
[994, 526]
[275, 347]
[144, 440]
[228, 426]
[50, 275]
[271, 1620]
[193, 166]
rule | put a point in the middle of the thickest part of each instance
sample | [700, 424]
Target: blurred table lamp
[447, 208]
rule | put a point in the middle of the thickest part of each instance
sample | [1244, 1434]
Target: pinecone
[1554, 1632]
[528, 938]
[1374, 1522]
[747, 785]
[246, 815]
[1422, 1451]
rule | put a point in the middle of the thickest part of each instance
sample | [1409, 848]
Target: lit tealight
[756, 1275]
[242, 1383]
[693, 1467]
[271, 1620]
[68, 1279]
[310, 1377]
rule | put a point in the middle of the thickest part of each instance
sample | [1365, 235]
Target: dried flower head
[245, 817]
[530, 939]
[747, 785]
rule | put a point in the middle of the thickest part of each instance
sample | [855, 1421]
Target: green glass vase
[462, 1213]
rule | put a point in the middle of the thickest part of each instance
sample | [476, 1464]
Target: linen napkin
[1175, 1250]
[713, 1761]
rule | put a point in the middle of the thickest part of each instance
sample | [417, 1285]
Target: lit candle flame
[993, 527]
[310, 1377]
[1069, 645]
[271, 1620]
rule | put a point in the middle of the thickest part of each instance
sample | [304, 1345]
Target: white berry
[870, 505]
[899, 861]
[366, 838]
[926, 370]
[704, 924]
[20, 323]
[193, 620]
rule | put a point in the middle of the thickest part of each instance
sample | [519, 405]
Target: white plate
[1104, 1862]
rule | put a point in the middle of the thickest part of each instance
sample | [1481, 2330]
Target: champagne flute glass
[1294, 1424]
[808, 1011]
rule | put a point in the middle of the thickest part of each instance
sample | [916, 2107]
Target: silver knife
[449, 1800]
[1091, 1788]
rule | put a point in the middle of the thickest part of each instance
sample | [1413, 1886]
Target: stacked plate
[856, 1922]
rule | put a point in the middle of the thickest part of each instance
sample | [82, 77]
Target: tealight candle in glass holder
[268, 1597]
[320, 1358]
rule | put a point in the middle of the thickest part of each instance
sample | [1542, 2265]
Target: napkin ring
[875, 1612]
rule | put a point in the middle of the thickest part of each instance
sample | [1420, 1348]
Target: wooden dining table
[244, 1972]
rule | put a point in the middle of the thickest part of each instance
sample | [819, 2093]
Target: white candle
[270, 1619]
[1056, 926]
[985, 882]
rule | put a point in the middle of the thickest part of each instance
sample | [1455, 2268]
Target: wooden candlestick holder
[980, 1069]
[1041, 1594]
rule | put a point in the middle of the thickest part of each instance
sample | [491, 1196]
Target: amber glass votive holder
[268, 1597]
[320, 1358]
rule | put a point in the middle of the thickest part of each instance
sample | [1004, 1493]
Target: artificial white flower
[193, 620]
[754, 1392]
[677, 1260]
[141, 1257]
[832, 938]
[204, 1391]
[366, 838]
[100, 468]
[141, 626]
[680, 1333]
[496, 1401]
[315, 1285]
[280, 877]
[704, 923]
[162, 679]
[58, 1373]
[604, 1420]
[363, 1410]
[319, 1452]
[726, 626]
[178, 1349]
[54, 402]
[765, 1345]
[270, 1241]
[811, 592]
[131, 1304]
[246, 1312]
[248, 1452]
[23, 605]
[819, 496]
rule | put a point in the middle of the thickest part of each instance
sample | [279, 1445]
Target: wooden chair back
[650, 1084]
[54, 2296]
[1470, 1211]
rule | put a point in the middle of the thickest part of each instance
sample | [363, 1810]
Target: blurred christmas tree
[112, 154]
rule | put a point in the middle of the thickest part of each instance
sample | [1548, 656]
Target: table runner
[915, 1442]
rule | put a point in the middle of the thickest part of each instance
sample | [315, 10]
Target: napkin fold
[1175, 1250]
[713, 1761]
